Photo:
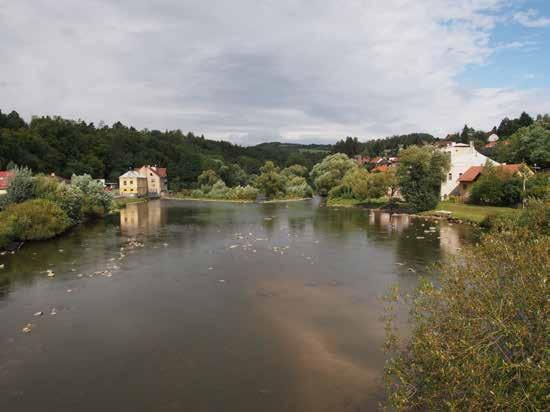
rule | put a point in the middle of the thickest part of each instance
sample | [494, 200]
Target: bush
[496, 187]
[32, 220]
[219, 190]
[480, 338]
[21, 187]
[243, 193]
[330, 172]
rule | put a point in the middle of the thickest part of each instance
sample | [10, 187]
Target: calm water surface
[214, 307]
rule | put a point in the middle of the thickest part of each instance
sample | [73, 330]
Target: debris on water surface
[399, 263]
[69, 290]
[233, 246]
[60, 250]
[210, 268]
[411, 270]
[40, 313]
[2, 266]
[420, 237]
[221, 280]
[53, 312]
[50, 273]
[27, 328]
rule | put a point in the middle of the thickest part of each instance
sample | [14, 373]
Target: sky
[250, 71]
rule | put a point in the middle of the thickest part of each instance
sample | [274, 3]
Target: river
[205, 306]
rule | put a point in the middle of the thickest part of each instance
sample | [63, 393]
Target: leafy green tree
[350, 146]
[270, 181]
[233, 175]
[530, 145]
[420, 172]
[208, 178]
[295, 170]
[357, 180]
[330, 172]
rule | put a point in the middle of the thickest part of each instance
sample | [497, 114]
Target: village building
[473, 173]
[5, 178]
[463, 156]
[156, 179]
[133, 184]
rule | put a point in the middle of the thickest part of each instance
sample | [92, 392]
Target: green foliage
[330, 172]
[270, 181]
[496, 187]
[420, 173]
[538, 186]
[233, 175]
[208, 178]
[295, 170]
[297, 187]
[32, 220]
[479, 339]
[529, 144]
[242, 193]
[96, 200]
[21, 186]
[357, 180]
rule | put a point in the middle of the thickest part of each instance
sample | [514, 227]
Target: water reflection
[142, 218]
[230, 307]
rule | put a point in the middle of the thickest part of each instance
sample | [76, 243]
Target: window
[150, 174]
[460, 174]
[450, 176]
[124, 182]
[464, 186]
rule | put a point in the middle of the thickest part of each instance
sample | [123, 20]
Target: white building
[463, 157]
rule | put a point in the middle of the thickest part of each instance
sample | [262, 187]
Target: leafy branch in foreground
[480, 336]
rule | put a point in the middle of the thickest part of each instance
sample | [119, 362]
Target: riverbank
[206, 199]
[472, 214]
[297, 199]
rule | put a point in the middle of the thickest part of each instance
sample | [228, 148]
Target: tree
[207, 178]
[357, 180]
[270, 181]
[530, 144]
[420, 172]
[330, 172]
[351, 146]
[295, 170]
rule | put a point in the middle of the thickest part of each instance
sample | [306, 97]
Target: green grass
[471, 213]
[121, 202]
[371, 203]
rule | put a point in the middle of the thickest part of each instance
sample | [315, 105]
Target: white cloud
[529, 18]
[253, 70]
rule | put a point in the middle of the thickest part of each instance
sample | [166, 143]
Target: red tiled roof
[5, 176]
[381, 168]
[161, 171]
[471, 174]
[491, 145]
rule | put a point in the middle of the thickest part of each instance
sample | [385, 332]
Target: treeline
[388, 146]
[67, 147]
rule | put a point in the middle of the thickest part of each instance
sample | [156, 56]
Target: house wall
[462, 158]
[155, 183]
[132, 186]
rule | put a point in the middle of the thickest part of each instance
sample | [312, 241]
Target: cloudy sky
[261, 70]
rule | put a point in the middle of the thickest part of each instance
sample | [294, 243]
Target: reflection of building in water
[142, 218]
[449, 239]
[391, 222]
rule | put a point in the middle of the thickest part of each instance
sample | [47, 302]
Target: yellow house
[132, 184]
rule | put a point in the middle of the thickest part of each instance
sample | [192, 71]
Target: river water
[203, 306]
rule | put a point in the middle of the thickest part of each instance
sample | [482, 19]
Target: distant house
[381, 168]
[5, 178]
[463, 156]
[133, 184]
[473, 173]
[156, 179]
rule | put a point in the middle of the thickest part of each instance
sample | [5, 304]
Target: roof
[5, 176]
[132, 173]
[159, 171]
[491, 144]
[471, 174]
[381, 168]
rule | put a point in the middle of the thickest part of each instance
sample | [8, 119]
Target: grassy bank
[369, 204]
[289, 199]
[470, 213]
[121, 202]
[207, 199]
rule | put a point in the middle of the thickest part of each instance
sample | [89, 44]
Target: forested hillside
[66, 147]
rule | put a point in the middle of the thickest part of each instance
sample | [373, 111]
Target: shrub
[243, 193]
[496, 187]
[197, 193]
[330, 172]
[32, 220]
[21, 187]
[480, 338]
[297, 187]
[219, 190]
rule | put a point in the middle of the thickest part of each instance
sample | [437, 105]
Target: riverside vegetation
[41, 207]
[480, 333]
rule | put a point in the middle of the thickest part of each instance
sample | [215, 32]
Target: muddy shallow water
[192, 306]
